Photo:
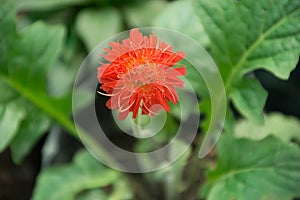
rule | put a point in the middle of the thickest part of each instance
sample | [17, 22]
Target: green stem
[142, 186]
[136, 128]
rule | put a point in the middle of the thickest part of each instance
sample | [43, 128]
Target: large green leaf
[65, 182]
[265, 169]
[247, 35]
[25, 60]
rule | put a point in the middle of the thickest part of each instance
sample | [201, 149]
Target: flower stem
[136, 127]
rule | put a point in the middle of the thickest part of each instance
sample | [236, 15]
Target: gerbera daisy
[140, 74]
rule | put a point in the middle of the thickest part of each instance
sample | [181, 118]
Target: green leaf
[122, 190]
[47, 5]
[30, 131]
[92, 195]
[8, 32]
[265, 169]
[65, 182]
[26, 58]
[144, 12]
[38, 47]
[28, 64]
[249, 97]
[170, 18]
[247, 35]
[10, 119]
[284, 127]
[95, 26]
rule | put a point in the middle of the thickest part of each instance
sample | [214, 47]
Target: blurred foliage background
[41, 157]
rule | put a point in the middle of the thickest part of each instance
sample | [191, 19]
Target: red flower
[140, 73]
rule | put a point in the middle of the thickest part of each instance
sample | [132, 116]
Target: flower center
[143, 75]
